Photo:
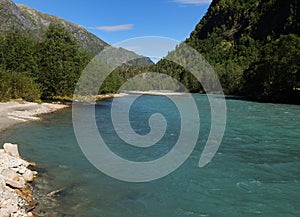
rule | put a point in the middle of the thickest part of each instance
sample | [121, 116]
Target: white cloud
[114, 28]
[193, 2]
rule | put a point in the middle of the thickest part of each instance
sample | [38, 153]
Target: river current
[256, 171]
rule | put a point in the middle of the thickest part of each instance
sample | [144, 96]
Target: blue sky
[114, 20]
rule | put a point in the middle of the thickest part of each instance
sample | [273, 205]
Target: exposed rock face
[12, 14]
[14, 194]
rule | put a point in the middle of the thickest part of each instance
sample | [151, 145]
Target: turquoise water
[255, 173]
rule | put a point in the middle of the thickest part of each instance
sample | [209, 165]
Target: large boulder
[11, 149]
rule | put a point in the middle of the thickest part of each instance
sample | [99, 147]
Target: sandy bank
[12, 113]
[109, 96]
[101, 97]
[157, 93]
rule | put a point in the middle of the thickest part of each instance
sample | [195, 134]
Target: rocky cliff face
[24, 18]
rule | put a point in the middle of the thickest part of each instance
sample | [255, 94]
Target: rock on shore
[15, 195]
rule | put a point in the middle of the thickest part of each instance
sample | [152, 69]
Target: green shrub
[14, 85]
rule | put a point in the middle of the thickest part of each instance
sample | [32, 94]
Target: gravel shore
[12, 113]
[16, 198]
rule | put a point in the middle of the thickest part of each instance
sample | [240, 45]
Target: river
[256, 171]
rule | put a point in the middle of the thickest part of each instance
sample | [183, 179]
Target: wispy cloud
[193, 2]
[114, 28]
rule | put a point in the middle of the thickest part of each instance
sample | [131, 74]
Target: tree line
[40, 69]
[254, 47]
[263, 69]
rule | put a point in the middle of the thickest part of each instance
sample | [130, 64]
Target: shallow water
[255, 173]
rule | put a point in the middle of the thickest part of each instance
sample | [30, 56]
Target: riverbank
[109, 96]
[16, 198]
[12, 113]
[157, 93]
[102, 97]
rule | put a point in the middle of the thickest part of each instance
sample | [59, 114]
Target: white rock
[2, 184]
[11, 149]
[15, 169]
[15, 162]
[11, 208]
[28, 176]
[4, 213]
[13, 175]
[10, 174]
[22, 170]
[16, 184]
[7, 202]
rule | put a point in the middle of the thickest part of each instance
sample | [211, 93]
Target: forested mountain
[21, 17]
[254, 46]
[231, 19]
[42, 56]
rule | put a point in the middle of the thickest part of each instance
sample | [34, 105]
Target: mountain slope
[35, 23]
[12, 17]
[42, 56]
[24, 18]
[242, 39]
[258, 18]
